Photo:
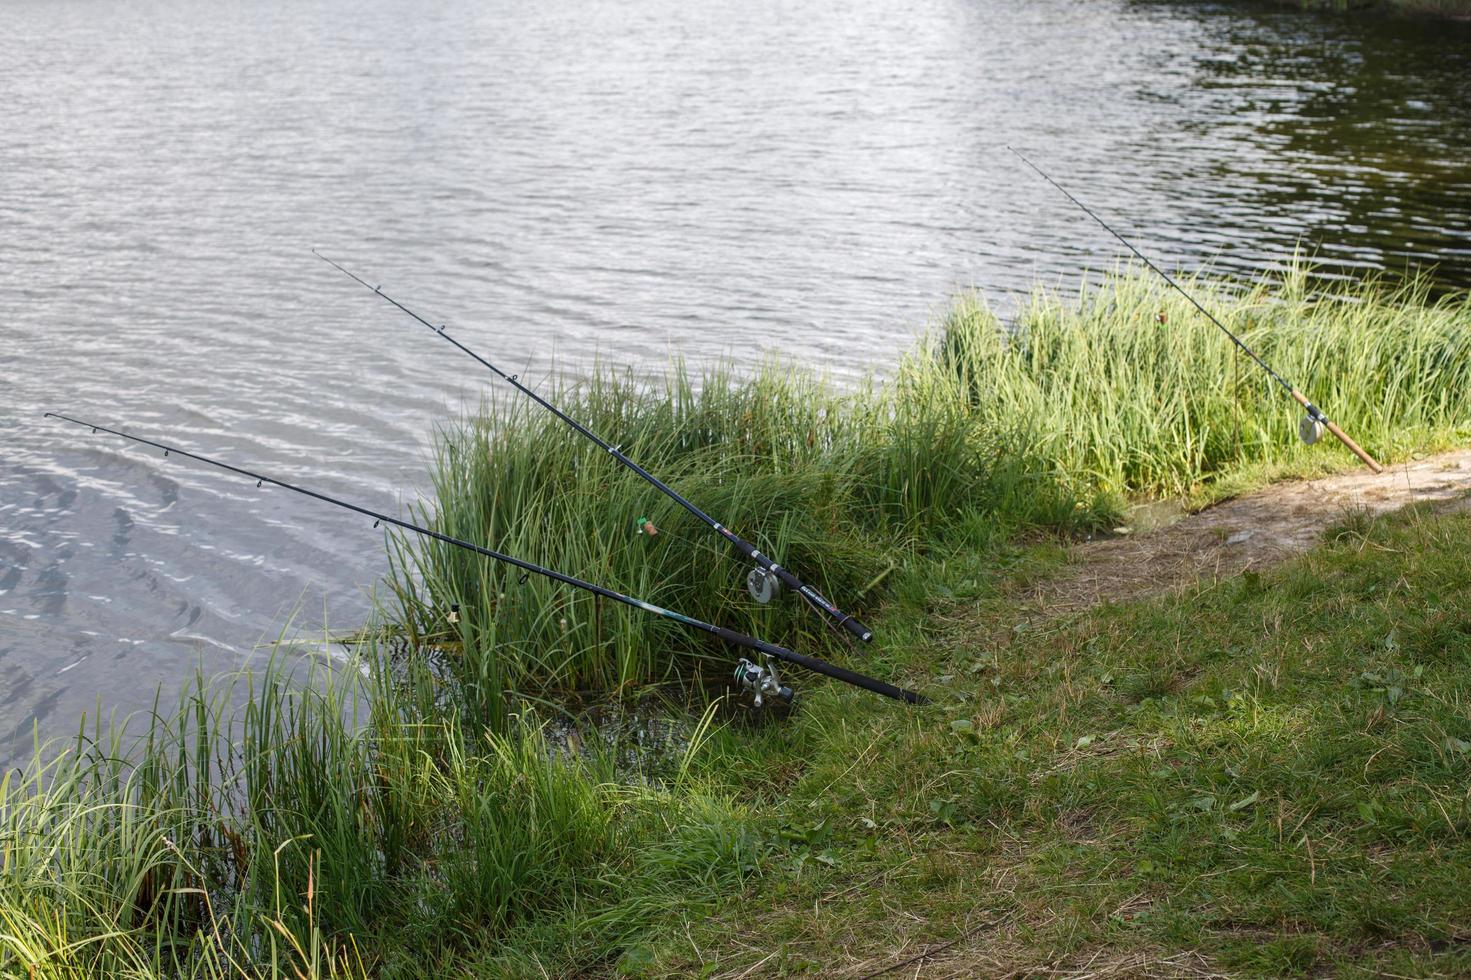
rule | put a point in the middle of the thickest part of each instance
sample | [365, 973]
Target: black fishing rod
[760, 582]
[1309, 430]
[761, 680]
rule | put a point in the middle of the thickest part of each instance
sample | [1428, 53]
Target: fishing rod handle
[844, 620]
[791, 581]
[817, 666]
[1354, 447]
[1338, 433]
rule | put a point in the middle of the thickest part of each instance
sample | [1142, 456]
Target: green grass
[322, 824]
[839, 486]
[1267, 775]
[1131, 404]
[980, 434]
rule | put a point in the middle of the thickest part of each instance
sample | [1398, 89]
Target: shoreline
[1082, 790]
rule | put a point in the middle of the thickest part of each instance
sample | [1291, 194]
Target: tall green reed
[979, 430]
[295, 822]
[1125, 403]
[836, 483]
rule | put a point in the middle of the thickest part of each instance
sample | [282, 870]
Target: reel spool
[763, 585]
[1309, 429]
[762, 682]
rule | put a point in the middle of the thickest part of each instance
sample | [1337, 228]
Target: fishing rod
[1312, 427]
[761, 680]
[763, 581]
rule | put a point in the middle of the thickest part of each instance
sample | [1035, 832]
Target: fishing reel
[762, 681]
[1310, 429]
[763, 584]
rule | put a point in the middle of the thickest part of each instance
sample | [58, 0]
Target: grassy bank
[1139, 781]
[1264, 777]
[344, 823]
[978, 436]
[841, 485]
[1123, 402]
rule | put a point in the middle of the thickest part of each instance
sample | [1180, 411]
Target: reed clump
[1130, 390]
[839, 485]
[982, 430]
[321, 823]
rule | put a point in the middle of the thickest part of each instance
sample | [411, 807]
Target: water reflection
[1371, 120]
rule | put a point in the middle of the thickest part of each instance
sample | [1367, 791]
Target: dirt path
[1253, 531]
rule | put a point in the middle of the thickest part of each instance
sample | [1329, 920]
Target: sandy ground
[1249, 532]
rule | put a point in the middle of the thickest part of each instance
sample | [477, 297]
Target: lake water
[554, 181]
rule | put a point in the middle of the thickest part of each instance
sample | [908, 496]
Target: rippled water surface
[626, 178]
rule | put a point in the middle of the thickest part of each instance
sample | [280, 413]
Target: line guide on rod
[762, 680]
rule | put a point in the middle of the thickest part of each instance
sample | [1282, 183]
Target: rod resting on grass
[728, 635]
[814, 598]
[1313, 411]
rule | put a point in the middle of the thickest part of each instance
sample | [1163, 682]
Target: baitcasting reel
[763, 584]
[761, 681]
[1310, 429]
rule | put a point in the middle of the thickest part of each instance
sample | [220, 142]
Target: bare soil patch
[1248, 532]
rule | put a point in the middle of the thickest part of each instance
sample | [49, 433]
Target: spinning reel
[762, 681]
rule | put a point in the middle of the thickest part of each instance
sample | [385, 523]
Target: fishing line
[766, 566]
[1313, 412]
[760, 679]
